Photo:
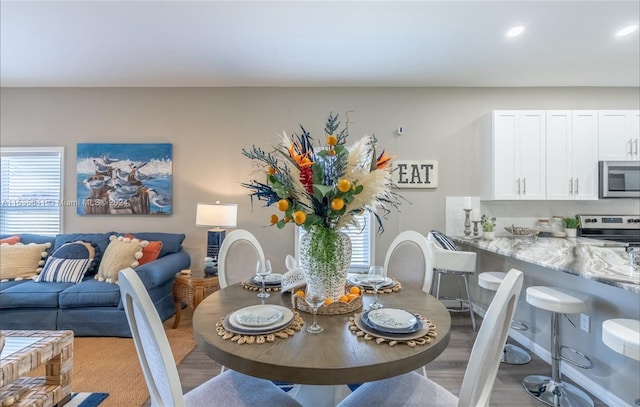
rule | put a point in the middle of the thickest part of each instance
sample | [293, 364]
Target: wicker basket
[335, 308]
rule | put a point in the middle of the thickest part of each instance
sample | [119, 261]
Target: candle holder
[467, 222]
[476, 233]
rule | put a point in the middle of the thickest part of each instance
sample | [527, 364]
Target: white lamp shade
[217, 215]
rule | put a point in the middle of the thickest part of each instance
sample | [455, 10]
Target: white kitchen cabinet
[572, 154]
[619, 135]
[518, 155]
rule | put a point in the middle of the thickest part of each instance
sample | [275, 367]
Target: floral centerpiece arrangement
[322, 187]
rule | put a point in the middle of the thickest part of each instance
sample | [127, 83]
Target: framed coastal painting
[124, 179]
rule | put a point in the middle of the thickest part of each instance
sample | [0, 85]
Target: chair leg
[460, 300]
[473, 318]
[438, 285]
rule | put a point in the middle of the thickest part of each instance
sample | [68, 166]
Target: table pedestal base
[319, 396]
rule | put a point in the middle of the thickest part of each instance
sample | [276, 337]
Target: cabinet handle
[571, 186]
[577, 185]
[518, 186]
[630, 146]
[524, 186]
[635, 142]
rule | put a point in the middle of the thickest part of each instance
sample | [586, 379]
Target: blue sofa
[90, 308]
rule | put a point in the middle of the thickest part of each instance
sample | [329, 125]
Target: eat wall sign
[415, 174]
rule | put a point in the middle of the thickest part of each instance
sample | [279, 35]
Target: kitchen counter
[603, 261]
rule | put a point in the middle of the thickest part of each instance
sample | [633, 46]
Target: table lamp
[218, 215]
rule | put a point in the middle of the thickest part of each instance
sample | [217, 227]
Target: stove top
[610, 222]
[619, 228]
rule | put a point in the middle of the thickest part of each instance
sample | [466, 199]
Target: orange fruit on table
[300, 293]
[354, 290]
[352, 297]
[337, 204]
[344, 298]
[328, 301]
[283, 205]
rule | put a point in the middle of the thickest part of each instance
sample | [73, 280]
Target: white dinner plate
[258, 315]
[271, 279]
[364, 281]
[286, 318]
[392, 318]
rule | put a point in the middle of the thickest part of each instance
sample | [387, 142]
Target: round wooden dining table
[333, 357]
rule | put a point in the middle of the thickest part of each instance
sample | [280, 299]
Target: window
[361, 243]
[31, 189]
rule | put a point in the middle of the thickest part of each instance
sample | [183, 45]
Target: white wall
[209, 126]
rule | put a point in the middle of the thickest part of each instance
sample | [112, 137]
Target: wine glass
[315, 298]
[263, 269]
[376, 278]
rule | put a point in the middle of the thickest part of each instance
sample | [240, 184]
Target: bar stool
[623, 336]
[511, 354]
[551, 390]
[447, 259]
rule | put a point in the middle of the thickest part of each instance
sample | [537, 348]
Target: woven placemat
[251, 286]
[358, 328]
[394, 289]
[259, 339]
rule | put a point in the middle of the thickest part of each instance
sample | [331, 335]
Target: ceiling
[317, 43]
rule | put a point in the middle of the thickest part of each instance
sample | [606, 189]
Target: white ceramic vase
[571, 232]
[488, 235]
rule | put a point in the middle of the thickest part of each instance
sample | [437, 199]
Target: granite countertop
[599, 260]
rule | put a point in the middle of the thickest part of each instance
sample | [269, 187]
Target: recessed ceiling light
[627, 30]
[515, 31]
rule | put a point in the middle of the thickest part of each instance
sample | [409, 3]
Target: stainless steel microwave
[619, 179]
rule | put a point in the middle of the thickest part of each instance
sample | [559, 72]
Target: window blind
[361, 243]
[31, 190]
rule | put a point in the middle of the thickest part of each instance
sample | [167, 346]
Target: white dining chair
[239, 253]
[412, 389]
[408, 261]
[447, 259]
[161, 374]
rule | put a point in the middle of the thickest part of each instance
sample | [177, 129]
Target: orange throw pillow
[10, 240]
[149, 253]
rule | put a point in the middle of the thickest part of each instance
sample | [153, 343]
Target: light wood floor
[447, 370]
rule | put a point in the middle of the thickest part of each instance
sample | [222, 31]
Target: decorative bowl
[522, 231]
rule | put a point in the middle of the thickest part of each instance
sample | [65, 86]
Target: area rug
[111, 365]
[86, 399]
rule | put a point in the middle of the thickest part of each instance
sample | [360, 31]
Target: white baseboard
[566, 369]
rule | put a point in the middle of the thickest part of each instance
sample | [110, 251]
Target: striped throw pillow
[68, 264]
[444, 241]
